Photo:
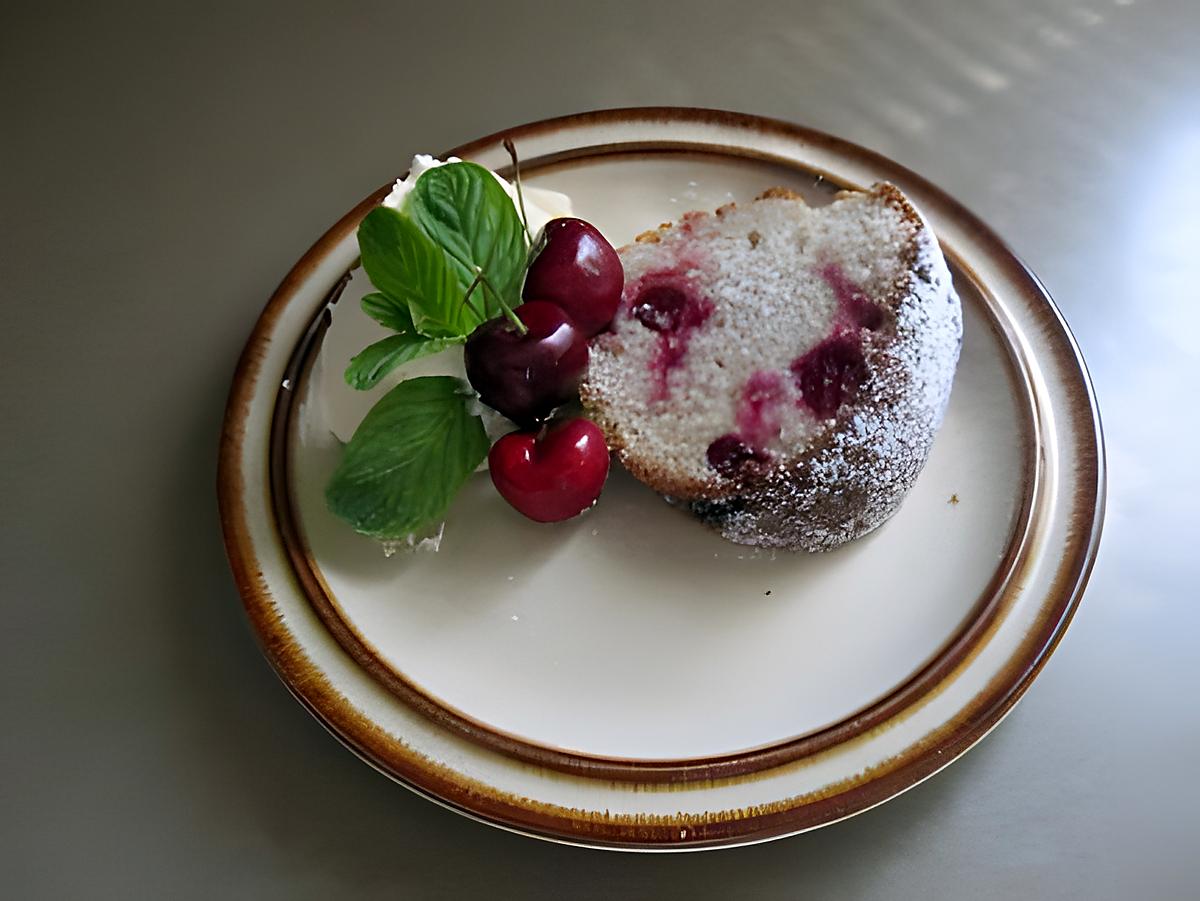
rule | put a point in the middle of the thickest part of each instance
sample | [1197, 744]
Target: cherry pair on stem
[572, 290]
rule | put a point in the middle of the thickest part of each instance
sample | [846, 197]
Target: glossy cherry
[525, 376]
[553, 476]
[578, 270]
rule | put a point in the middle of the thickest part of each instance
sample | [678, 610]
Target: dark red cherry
[661, 308]
[578, 270]
[730, 455]
[675, 312]
[853, 303]
[526, 376]
[830, 374]
[554, 476]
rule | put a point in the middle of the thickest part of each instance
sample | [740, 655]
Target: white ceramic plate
[630, 679]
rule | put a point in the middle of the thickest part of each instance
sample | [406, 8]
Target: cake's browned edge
[601, 829]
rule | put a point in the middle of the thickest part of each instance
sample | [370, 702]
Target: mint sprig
[462, 208]
[388, 312]
[378, 359]
[451, 259]
[414, 273]
[408, 458]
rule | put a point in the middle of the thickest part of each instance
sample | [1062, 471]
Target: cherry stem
[512, 317]
[467, 297]
[512, 153]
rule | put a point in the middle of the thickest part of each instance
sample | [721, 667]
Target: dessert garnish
[526, 374]
[577, 269]
[779, 370]
[454, 263]
[554, 474]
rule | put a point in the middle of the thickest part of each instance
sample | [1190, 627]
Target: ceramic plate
[630, 679]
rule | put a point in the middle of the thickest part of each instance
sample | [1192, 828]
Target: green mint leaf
[408, 459]
[463, 209]
[380, 358]
[389, 313]
[409, 268]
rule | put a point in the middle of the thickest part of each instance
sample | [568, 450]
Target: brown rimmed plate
[628, 679]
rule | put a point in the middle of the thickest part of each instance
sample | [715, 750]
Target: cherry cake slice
[781, 369]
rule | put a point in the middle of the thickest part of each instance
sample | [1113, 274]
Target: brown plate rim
[738, 827]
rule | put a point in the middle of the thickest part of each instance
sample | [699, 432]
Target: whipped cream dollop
[351, 330]
[540, 205]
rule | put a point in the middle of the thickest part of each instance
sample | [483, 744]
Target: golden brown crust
[780, 193]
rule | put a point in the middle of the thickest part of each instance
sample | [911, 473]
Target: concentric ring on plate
[603, 135]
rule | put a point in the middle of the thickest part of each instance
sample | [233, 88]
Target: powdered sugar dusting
[836, 478]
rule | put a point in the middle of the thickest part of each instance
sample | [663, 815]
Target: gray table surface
[162, 169]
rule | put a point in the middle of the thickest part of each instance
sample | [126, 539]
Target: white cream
[351, 329]
[540, 205]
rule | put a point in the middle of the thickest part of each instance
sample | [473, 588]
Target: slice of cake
[780, 368]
